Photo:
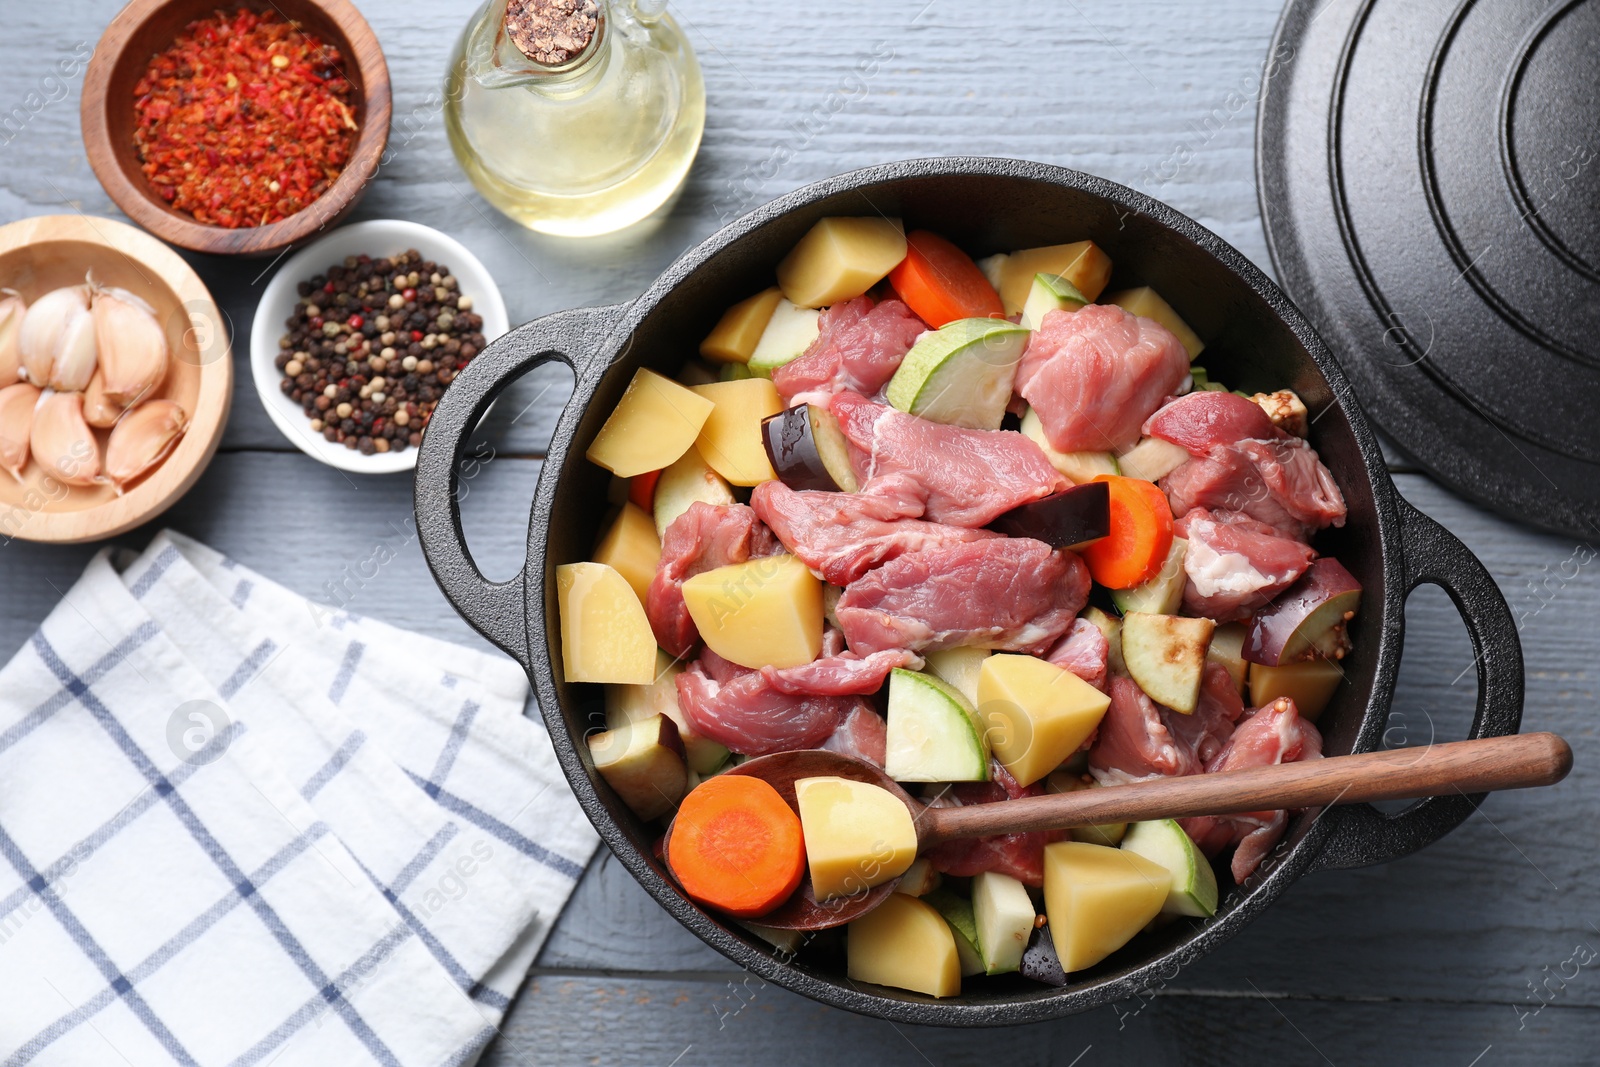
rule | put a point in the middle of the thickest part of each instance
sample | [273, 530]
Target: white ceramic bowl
[377, 238]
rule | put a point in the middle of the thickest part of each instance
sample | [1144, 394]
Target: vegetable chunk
[761, 613]
[653, 424]
[840, 258]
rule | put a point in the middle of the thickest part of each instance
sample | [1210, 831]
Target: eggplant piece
[1039, 959]
[1065, 520]
[808, 450]
[1294, 625]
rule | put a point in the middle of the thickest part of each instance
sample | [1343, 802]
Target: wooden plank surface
[1426, 960]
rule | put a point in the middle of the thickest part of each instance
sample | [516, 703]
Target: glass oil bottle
[582, 124]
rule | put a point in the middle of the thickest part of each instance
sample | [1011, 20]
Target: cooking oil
[586, 139]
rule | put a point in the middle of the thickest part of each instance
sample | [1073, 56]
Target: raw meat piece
[1270, 735]
[1279, 482]
[1235, 564]
[705, 537]
[772, 710]
[1139, 739]
[844, 535]
[1094, 375]
[1205, 417]
[858, 347]
[963, 477]
[863, 734]
[1010, 593]
[1019, 855]
[1084, 651]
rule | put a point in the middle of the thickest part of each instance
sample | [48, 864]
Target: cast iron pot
[1256, 340]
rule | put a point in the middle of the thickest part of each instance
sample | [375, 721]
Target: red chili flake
[244, 120]
[356, 322]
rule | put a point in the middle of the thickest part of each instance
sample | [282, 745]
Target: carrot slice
[642, 488]
[1140, 538]
[940, 282]
[735, 845]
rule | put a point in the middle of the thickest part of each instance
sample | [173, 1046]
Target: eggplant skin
[797, 455]
[1063, 520]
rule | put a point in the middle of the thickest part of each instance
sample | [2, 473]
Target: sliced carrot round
[642, 488]
[736, 846]
[940, 282]
[1140, 538]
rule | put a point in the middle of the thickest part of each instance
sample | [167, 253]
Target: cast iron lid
[1429, 173]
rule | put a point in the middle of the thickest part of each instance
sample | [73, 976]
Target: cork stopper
[552, 32]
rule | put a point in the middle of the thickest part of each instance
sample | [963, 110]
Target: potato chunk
[1097, 898]
[643, 762]
[762, 612]
[605, 636]
[630, 703]
[653, 424]
[1147, 303]
[1310, 684]
[857, 835]
[731, 440]
[840, 258]
[1082, 263]
[904, 943]
[631, 548]
[740, 327]
[1035, 713]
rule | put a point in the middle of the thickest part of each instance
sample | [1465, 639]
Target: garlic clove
[142, 439]
[16, 424]
[12, 310]
[131, 343]
[62, 442]
[57, 341]
[98, 409]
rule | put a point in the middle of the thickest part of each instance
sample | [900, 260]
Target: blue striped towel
[237, 827]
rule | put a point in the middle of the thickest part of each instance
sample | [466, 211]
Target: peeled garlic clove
[131, 343]
[98, 409]
[62, 442]
[12, 309]
[16, 423]
[57, 340]
[142, 439]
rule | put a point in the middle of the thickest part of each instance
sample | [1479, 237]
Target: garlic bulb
[142, 439]
[16, 423]
[98, 410]
[57, 340]
[12, 309]
[131, 343]
[62, 442]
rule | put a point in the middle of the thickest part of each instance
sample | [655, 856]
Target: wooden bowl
[144, 28]
[45, 253]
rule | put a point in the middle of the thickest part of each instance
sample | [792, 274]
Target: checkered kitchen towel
[237, 827]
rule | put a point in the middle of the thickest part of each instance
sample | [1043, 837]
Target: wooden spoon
[1515, 762]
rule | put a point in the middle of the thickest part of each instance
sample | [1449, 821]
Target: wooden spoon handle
[1514, 762]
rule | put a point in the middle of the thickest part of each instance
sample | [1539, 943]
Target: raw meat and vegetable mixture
[989, 528]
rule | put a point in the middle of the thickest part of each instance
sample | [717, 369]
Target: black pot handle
[1363, 835]
[495, 609]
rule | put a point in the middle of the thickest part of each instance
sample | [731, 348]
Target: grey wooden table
[1473, 952]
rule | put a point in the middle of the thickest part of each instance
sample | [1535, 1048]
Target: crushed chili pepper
[244, 120]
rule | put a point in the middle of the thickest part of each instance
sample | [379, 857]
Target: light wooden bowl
[45, 253]
[146, 27]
